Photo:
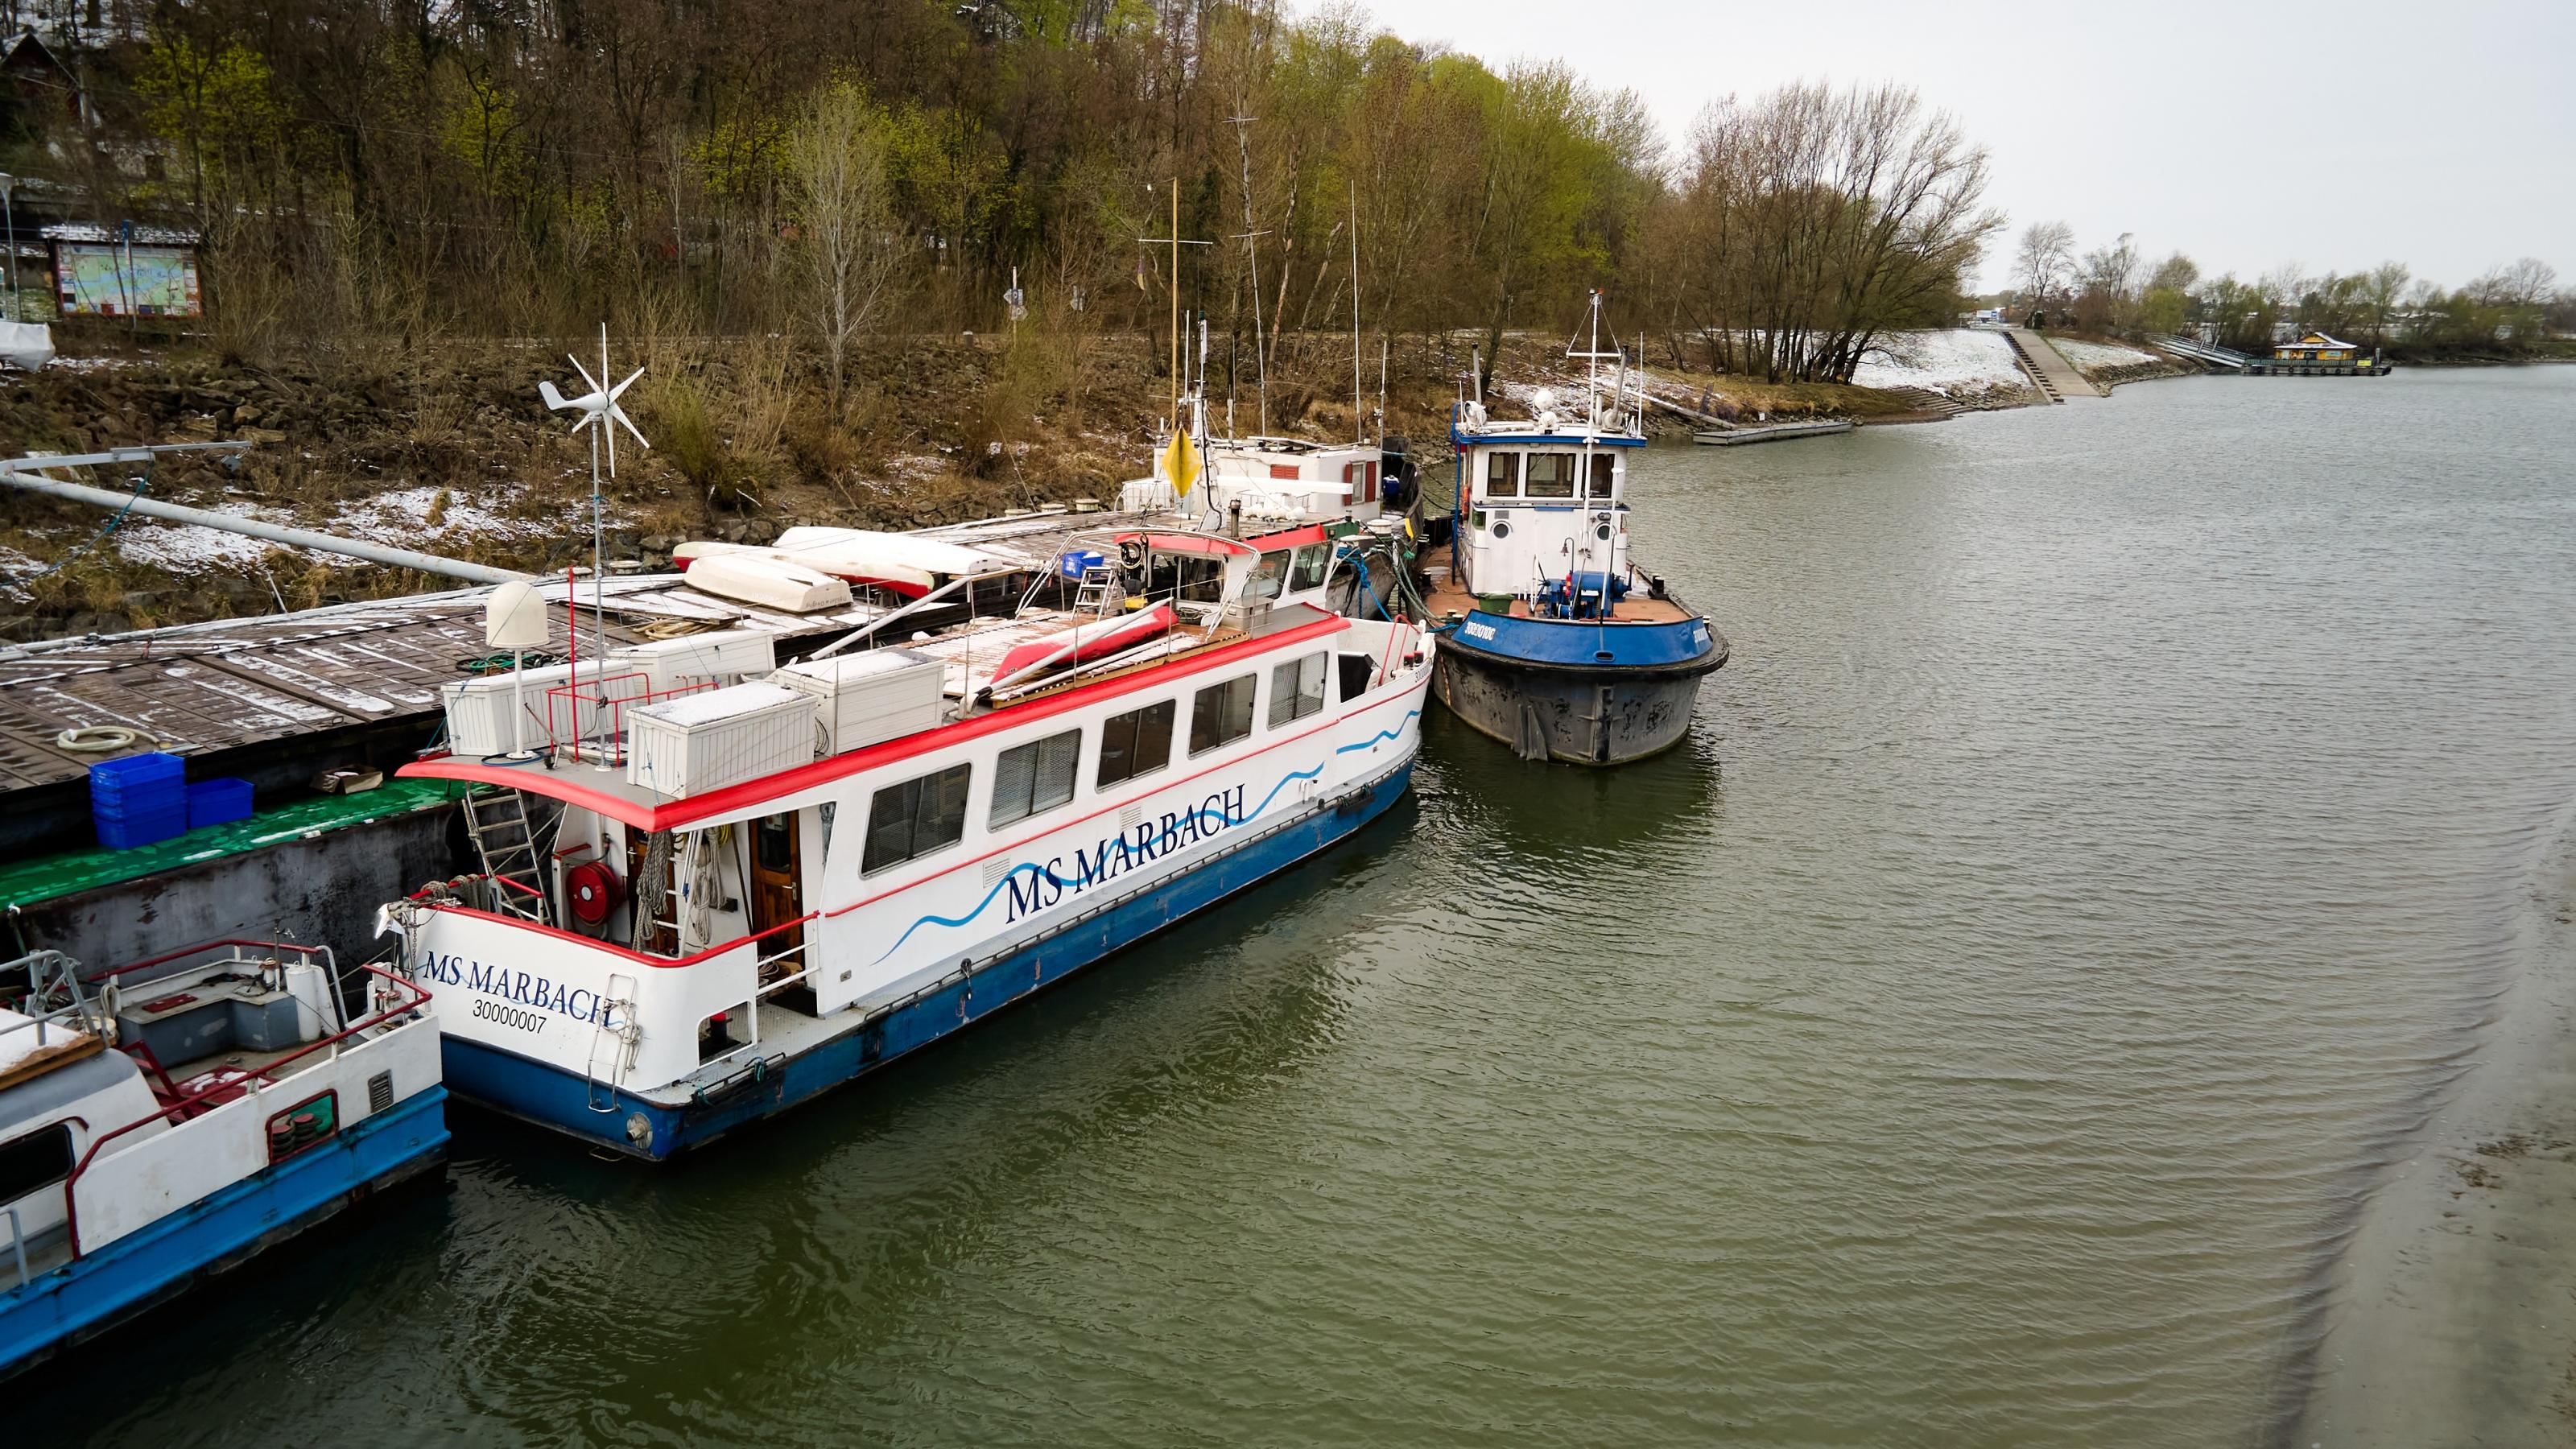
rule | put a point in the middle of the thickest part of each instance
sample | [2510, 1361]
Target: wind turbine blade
[609, 433]
[555, 401]
[623, 386]
[585, 372]
[619, 414]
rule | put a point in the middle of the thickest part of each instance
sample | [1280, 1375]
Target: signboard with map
[114, 281]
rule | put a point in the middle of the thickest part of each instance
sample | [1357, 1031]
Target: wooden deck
[1446, 597]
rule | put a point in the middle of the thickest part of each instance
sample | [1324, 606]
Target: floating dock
[1773, 433]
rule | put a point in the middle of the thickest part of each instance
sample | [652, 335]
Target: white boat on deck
[741, 891]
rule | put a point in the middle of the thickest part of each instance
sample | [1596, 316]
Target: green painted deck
[23, 883]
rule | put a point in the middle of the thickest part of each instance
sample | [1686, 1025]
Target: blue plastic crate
[215, 802]
[145, 772]
[146, 828]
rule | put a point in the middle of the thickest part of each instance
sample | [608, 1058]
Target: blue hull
[551, 1097]
[1558, 689]
[99, 1290]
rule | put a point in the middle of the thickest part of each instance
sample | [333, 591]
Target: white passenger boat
[731, 892]
[166, 1121]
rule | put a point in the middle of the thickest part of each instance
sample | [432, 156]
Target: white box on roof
[724, 657]
[720, 737]
[479, 709]
[882, 694]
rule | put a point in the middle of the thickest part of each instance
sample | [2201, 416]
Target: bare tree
[2045, 261]
[837, 154]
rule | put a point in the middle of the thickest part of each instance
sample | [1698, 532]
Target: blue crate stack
[138, 800]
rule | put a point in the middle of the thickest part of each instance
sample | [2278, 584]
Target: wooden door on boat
[777, 897]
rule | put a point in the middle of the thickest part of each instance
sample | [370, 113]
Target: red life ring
[592, 888]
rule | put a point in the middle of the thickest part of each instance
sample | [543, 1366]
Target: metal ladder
[506, 839]
[615, 1040]
[1099, 593]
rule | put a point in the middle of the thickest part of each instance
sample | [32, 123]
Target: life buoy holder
[593, 891]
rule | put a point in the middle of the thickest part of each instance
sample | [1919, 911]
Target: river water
[2115, 830]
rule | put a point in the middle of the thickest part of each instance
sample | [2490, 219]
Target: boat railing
[595, 711]
[17, 1246]
[392, 1000]
[54, 978]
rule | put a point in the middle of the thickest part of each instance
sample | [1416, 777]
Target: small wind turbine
[597, 407]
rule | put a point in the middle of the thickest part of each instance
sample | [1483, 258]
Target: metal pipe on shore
[427, 563]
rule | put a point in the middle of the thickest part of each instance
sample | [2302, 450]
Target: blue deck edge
[99, 1290]
[551, 1097]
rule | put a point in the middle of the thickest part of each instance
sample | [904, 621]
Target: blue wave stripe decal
[1201, 814]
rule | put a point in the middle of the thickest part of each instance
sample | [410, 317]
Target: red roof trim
[564, 784]
[1293, 538]
[1207, 543]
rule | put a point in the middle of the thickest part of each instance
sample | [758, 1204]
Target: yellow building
[2315, 347]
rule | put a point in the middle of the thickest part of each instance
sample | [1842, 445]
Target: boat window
[1602, 466]
[38, 1160]
[1222, 714]
[1034, 778]
[913, 819]
[1296, 689]
[1356, 669]
[771, 843]
[1138, 742]
[1361, 479]
[1312, 561]
[1502, 475]
[1551, 475]
[1267, 576]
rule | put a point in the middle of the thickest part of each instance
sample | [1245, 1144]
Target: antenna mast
[1359, 417]
[1252, 258]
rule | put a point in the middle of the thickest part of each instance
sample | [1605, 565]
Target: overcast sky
[2442, 135]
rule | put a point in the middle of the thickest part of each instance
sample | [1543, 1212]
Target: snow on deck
[1956, 361]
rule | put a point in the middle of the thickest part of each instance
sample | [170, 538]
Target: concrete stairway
[2057, 378]
[1924, 400]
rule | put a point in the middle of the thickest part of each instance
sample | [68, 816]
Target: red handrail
[71, 1201]
[308, 952]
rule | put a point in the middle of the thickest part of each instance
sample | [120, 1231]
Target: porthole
[1601, 531]
[1502, 528]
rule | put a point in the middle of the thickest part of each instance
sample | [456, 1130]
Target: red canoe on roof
[1090, 641]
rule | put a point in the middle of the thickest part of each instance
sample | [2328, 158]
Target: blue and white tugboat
[164, 1122]
[715, 887]
[1552, 640]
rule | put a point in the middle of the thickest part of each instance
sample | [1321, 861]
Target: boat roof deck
[200, 688]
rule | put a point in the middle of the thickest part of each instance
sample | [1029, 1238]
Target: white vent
[994, 869]
[702, 742]
[862, 699]
[1131, 817]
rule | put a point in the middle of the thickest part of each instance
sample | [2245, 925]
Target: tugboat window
[1296, 690]
[1138, 742]
[1034, 778]
[1502, 528]
[1502, 475]
[910, 820]
[1222, 714]
[1551, 475]
[1267, 576]
[38, 1160]
[1312, 561]
[1602, 464]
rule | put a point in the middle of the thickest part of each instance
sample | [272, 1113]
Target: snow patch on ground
[1956, 362]
[185, 548]
[2090, 356]
[402, 518]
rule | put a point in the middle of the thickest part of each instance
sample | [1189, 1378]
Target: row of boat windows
[928, 813]
[1544, 474]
